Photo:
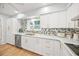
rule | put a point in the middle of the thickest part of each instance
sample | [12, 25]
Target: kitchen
[39, 29]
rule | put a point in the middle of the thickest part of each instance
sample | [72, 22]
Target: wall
[13, 26]
[3, 20]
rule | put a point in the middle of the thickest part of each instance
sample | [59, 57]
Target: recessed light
[20, 16]
[45, 9]
[16, 11]
[45, 4]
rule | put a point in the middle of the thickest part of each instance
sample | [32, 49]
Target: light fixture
[16, 11]
[45, 9]
[19, 16]
[46, 4]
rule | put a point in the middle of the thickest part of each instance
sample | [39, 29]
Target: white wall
[13, 26]
[3, 20]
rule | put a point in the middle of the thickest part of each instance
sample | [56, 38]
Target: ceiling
[14, 8]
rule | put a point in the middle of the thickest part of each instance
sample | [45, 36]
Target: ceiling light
[20, 16]
[45, 9]
[16, 11]
[45, 3]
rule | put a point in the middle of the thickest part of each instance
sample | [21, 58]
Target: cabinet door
[11, 38]
[29, 43]
[38, 46]
[41, 46]
[26, 42]
[32, 44]
[64, 51]
[0, 30]
[50, 47]
[23, 41]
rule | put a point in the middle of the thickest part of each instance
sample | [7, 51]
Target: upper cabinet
[62, 19]
[54, 20]
[72, 12]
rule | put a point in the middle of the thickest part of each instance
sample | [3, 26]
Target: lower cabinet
[49, 47]
[27, 43]
[11, 38]
[64, 51]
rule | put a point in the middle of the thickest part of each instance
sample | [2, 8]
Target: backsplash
[55, 31]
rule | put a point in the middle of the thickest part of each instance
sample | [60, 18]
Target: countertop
[63, 40]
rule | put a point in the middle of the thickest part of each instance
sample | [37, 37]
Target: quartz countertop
[63, 40]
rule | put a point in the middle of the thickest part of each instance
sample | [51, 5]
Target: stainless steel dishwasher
[18, 40]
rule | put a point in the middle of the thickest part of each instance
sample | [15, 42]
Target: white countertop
[63, 40]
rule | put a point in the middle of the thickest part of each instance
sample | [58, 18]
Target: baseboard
[25, 49]
[3, 43]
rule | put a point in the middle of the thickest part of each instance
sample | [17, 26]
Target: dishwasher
[18, 40]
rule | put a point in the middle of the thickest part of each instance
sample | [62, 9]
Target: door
[0, 31]
[10, 35]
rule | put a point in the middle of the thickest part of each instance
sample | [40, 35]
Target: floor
[10, 50]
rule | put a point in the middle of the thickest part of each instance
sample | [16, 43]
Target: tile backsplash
[55, 31]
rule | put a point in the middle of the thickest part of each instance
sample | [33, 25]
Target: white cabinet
[72, 12]
[11, 38]
[54, 20]
[41, 46]
[50, 47]
[0, 30]
[64, 51]
[27, 43]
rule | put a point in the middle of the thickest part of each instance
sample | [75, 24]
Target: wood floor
[10, 50]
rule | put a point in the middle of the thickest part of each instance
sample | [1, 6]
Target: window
[37, 24]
